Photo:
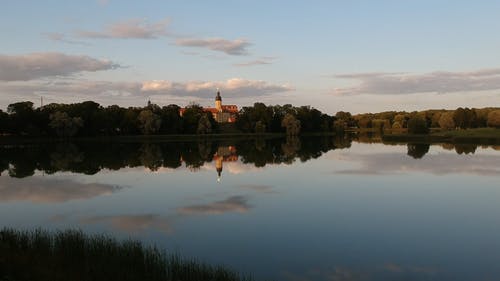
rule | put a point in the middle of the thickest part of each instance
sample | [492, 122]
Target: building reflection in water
[224, 154]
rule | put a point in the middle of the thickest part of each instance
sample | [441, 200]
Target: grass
[40, 255]
[471, 133]
[478, 136]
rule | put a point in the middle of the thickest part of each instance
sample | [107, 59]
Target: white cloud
[434, 82]
[132, 93]
[40, 65]
[230, 47]
[129, 29]
[235, 87]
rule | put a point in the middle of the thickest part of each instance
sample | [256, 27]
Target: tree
[494, 119]
[91, 113]
[291, 124]
[171, 121]
[191, 117]
[149, 122]
[22, 117]
[260, 128]
[4, 122]
[397, 126]
[446, 121]
[204, 125]
[339, 126]
[64, 125]
[417, 125]
[365, 122]
[464, 118]
[381, 124]
[401, 119]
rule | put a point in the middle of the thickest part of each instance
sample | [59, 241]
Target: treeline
[91, 119]
[423, 121]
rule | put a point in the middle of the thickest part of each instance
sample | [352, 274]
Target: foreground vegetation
[72, 255]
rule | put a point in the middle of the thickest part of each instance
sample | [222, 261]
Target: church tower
[218, 167]
[218, 102]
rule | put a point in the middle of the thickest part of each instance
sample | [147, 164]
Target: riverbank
[489, 136]
[72, 255]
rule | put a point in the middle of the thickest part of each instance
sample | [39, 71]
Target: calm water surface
[309, 209]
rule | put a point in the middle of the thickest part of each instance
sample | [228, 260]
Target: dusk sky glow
[357, 56]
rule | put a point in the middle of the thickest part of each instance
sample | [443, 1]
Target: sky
[357, 56]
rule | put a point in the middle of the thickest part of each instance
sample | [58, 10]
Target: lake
[317, 208]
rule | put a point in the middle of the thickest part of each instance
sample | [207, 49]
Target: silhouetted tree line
[288, 119]
[91, 119]
[91, 157]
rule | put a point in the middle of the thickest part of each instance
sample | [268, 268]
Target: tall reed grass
[72, 255]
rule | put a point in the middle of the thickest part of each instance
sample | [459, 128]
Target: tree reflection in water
[91, 157]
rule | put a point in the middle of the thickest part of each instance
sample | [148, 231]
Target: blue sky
[359, 56]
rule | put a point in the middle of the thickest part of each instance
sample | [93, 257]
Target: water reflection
[363, 213]
[90, 158]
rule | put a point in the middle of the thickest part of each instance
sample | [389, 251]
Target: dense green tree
[204, 125]
[191, 118]
[4, 122]
[417, 125]
[291, 124]
[64, 125]
[22, 116]
[90, 112]
[339, 126]
[464, 118]
[171, 121]
[260, 128]
[149, 122]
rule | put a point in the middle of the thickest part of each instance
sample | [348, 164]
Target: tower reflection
[224, 154]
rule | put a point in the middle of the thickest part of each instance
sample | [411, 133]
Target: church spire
[218, 97]
[218, 101]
